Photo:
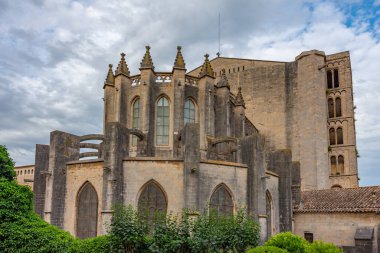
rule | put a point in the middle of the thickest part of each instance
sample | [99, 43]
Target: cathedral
[232, 133]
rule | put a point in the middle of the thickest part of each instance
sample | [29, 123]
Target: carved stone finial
[206, 68]
[179, 62]
[122, 68]
[239, 100]
[110, 79]
[223, 82]
[147, 62]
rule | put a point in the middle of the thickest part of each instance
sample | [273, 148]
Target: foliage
[21, 230]
[98, 244]
[15, 200]
[6, 165]
[322, 247]
[290, 242]
[171, 234]
[127, 230]
[267, 249]
[32, 234]
[223, 234]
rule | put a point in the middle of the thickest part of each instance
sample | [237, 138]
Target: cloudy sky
[54, 55]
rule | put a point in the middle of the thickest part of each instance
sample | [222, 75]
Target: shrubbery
[100, 244]
[290, 242]
[323, 247]
[184, 233]
[267, 249]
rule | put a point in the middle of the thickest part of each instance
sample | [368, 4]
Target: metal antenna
[219, 53]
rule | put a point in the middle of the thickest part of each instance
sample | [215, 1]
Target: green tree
[6, 164]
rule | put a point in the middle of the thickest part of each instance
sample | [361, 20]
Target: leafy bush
[290, 242]
[227, 233]
[127, 230]
[15, 200]
[267, 249]
[6, 165]
[322, 247]
[171, 234]
[100, 244]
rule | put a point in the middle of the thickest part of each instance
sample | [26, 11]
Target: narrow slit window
[339, 133]
[135, 119]
[336, 78]
[340, 170]
[162, 122]
[332, 136]
[189, 112]
[329, 80]
[331, 107]
[338, 107]
[333, 165]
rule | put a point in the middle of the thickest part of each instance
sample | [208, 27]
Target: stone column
[40, 168]
[116, 146]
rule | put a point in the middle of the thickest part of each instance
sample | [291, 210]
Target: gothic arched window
[340, 165]
[221, 201]
[189, 111]
[162, 122]
[333, 165]
[332, 136]
[338, 107]
[339, 133]
[87, 211]
[152, 200]
[135, 119]
[330, 104]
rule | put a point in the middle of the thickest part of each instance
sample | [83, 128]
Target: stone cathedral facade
[232, 133]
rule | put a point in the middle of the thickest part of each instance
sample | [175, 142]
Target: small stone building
[349, 218]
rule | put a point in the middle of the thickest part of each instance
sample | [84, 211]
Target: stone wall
[78, 173]
[337, 228]
[25, 175]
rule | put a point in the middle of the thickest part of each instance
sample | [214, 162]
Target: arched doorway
[87, 211]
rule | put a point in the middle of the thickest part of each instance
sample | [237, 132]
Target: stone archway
[87, 212]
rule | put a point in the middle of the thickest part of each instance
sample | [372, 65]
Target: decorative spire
[122, 68]
[206, 68]
[239, 101]
[179, 62]
[110, 77]
[223, 82]
[147, 62]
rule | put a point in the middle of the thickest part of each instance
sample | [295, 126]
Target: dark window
[152, 201]
[331, 107]
[221, 201]
[332, 136]
[340, 165]
[333, 165]
[336, 78]
[87, 213]
[309, 237]
[329, 80]
[338, 108]
[339, 133]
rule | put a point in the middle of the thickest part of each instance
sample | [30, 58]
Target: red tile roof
[361, 199]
